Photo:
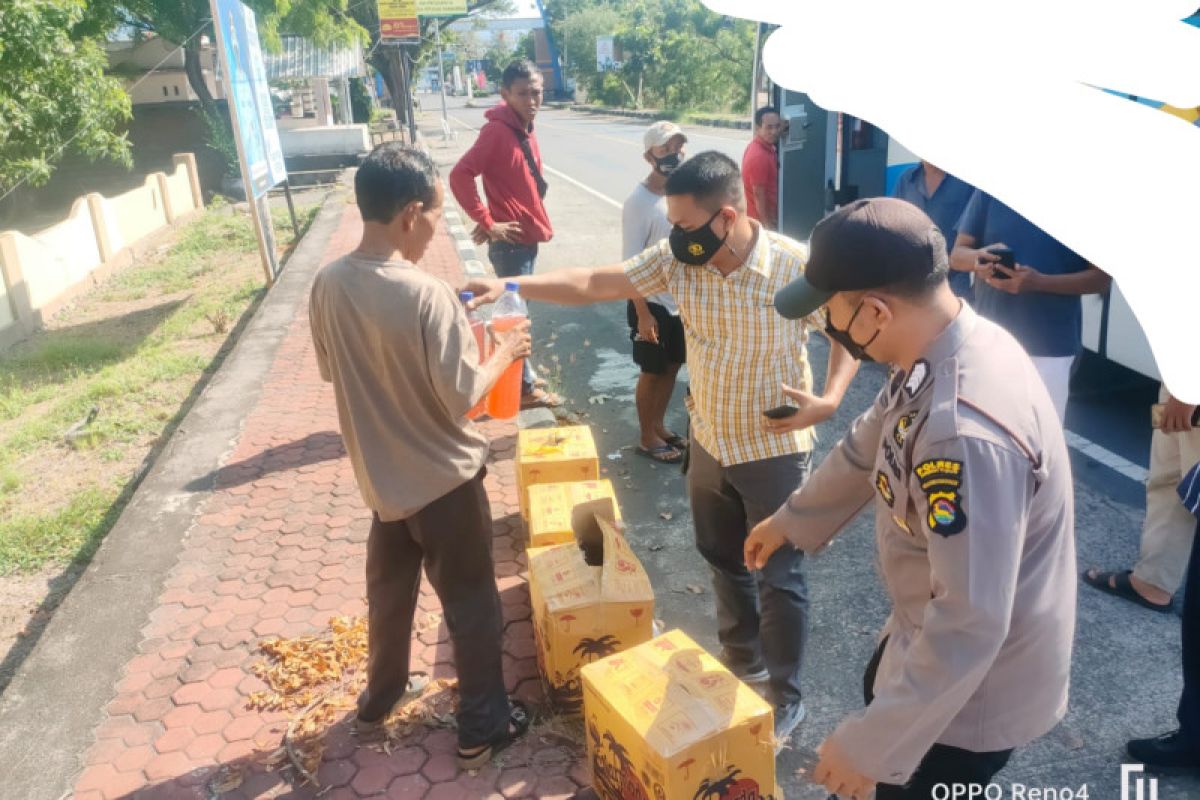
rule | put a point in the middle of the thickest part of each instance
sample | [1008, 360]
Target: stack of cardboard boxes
[664, 719]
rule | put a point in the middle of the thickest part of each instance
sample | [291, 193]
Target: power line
[129, 91]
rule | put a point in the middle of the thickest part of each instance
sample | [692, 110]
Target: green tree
[676, 54]
[54, 95]
[184, 22]
[390, 60]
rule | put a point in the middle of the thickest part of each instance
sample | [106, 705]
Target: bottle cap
[464, 297]
[512, 287]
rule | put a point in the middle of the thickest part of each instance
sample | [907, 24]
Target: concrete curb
[711, 122]
[51, 708]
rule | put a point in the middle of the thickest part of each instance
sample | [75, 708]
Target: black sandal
[519, 720]
[664, 454]
[675, 440]
[1118, 585]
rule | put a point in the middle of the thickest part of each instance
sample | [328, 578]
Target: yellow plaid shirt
[739, 348]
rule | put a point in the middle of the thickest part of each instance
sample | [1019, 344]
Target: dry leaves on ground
[317, 679]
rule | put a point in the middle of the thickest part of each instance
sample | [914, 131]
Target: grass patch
[83, 403]
[70, 533]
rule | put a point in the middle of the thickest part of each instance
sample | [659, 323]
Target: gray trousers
[452, 537]
[762, 618]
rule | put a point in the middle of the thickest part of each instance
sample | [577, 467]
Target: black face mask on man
[696, 248]
[843, 337]
[667, 164]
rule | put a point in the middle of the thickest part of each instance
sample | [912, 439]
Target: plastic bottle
[504, 401]
[478, 329]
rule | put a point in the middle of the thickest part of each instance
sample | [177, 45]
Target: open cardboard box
[590, 597]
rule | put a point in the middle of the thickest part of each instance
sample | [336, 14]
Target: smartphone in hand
[780, 412]
[1007, 259]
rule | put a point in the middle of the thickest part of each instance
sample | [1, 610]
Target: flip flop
[664, 454]
[675, 440]
[519, 720]
[540, 398]
[1120, 586]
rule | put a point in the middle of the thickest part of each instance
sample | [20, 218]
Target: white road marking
[583, 186]
[1107, 458]
[612, 373]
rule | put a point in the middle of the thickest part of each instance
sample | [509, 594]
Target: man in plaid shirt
[723, 270]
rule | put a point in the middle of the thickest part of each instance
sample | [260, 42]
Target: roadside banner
[249, 94]
[605, 50]
[441, 8]
[260, 155]
[398, 20]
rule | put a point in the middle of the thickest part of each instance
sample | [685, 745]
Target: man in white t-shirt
[654, 325]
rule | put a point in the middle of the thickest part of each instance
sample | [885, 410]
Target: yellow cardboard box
[551, 504]
[666, 721]
[582, 612]
[554, 455]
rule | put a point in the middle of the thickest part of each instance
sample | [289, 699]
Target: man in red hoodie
[514, 220]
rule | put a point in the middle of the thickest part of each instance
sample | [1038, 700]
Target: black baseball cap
[868, 244]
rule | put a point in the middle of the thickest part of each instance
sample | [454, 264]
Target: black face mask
[667, 164]
[843, 337]
[696, 248]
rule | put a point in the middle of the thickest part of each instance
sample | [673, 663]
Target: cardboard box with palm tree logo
[554, 455]
[666, 721]
[551, 506]
[590, 599]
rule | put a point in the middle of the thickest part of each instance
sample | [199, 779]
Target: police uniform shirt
[966, 464]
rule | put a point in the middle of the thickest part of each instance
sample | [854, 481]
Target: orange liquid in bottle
[477, 328]
[504, 401]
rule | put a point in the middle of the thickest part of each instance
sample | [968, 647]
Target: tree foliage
[675, 54]
[185, 22]
[54, 95]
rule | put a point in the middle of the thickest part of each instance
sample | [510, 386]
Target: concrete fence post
[164, 192]
[188, 160]
[14, 280]
[100, 227]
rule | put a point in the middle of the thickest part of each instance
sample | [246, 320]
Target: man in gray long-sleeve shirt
[398, 348]
[965, 463]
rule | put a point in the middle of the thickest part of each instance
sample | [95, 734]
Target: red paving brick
[277, 549]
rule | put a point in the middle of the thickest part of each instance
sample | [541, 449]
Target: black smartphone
[780, 412]
[1007, 259]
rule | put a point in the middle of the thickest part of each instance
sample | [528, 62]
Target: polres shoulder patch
[941, 480]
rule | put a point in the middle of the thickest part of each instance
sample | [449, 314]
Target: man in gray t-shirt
[397, 346]
[654, 325]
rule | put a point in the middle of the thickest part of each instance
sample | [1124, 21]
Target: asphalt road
[1127, 660]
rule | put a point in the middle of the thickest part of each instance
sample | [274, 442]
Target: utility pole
[437, 32]
[407, 92]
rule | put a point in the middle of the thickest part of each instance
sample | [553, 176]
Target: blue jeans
[510, 261]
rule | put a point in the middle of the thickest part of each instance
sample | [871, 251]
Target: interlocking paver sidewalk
[278, 549]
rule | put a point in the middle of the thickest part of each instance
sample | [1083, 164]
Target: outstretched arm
[565, 287]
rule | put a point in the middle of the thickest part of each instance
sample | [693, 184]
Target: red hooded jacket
[511, 192]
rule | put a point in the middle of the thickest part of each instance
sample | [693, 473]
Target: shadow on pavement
[312, 449]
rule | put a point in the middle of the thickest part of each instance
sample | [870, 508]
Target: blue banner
[249, 96]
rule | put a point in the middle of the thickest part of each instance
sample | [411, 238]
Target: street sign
[441, 8]
[260, 155]
[398, 20]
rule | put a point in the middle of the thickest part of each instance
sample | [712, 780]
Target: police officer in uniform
[963, 458]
